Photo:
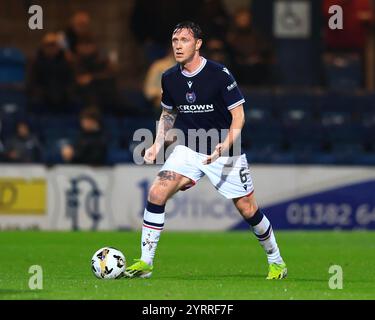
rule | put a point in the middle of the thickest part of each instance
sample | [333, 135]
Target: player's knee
[248, 209]
[157, 196]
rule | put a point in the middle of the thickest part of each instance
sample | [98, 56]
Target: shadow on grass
[26, 294]
[244, 276]
[192, 277]
[14, 291]
[291, 278]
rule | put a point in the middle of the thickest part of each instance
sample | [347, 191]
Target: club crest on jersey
[190, 97]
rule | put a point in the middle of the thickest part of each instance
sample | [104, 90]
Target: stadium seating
[12, 66]
[281, 127]
[344, 73]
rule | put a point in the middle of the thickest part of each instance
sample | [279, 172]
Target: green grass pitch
[199, 265]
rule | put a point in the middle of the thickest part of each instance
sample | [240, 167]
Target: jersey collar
[188, 74]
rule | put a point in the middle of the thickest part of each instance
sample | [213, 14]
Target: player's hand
[216, 154]
[150, 154]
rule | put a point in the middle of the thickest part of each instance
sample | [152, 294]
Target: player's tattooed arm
[166, 122]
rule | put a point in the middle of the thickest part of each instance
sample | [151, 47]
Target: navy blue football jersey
[202, 99]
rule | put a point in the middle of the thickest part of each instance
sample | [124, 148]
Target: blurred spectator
[163, 15]
[152, 84]
[251, 52]
[94, 76]
[91, 145]
[79, 27]
[24, 147]
[344, 49]
[357, 15]
[215, 49]
[213, 18]
[51, 77]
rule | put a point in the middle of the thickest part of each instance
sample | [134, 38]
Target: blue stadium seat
[52, 151]
[269, 154]
[263, 133]
[261, 153]
[304, 150]
[323, 158]
[365, 102]
[367, 119]
[346, 153]
[365, 159]
[259, 101]
[129, 125]
[12, 99]
[337, 102]
[116, 156]
[112, 127]
[283, 157]
[332, 119]
[304, 138]
[296, 62]
[344, 73]
[258, 115]
[12, 109]
[57, 128]
[12, 66]
[136, 99]
[295, 101]
[296, 117]
[349, 133]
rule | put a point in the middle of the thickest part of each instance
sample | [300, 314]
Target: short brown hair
[190, 25]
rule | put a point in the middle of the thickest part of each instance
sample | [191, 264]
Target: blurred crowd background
[75, 91]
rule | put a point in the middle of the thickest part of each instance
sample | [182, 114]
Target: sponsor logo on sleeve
[232, 86]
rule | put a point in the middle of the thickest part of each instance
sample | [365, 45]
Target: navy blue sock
[256, 218]
[155, 208]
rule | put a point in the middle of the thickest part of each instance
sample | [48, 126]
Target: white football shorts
[229, 175]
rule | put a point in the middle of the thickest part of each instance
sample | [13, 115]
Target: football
[108, 263]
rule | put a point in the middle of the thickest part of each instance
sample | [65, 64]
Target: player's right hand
[150, 155]
[215, 155]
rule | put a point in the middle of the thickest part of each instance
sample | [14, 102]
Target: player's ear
[198, 44]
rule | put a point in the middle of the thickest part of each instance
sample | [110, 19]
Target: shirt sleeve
[230, 92]
[166, 99]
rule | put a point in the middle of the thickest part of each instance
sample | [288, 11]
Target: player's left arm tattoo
[168, 119]
[166, 122]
